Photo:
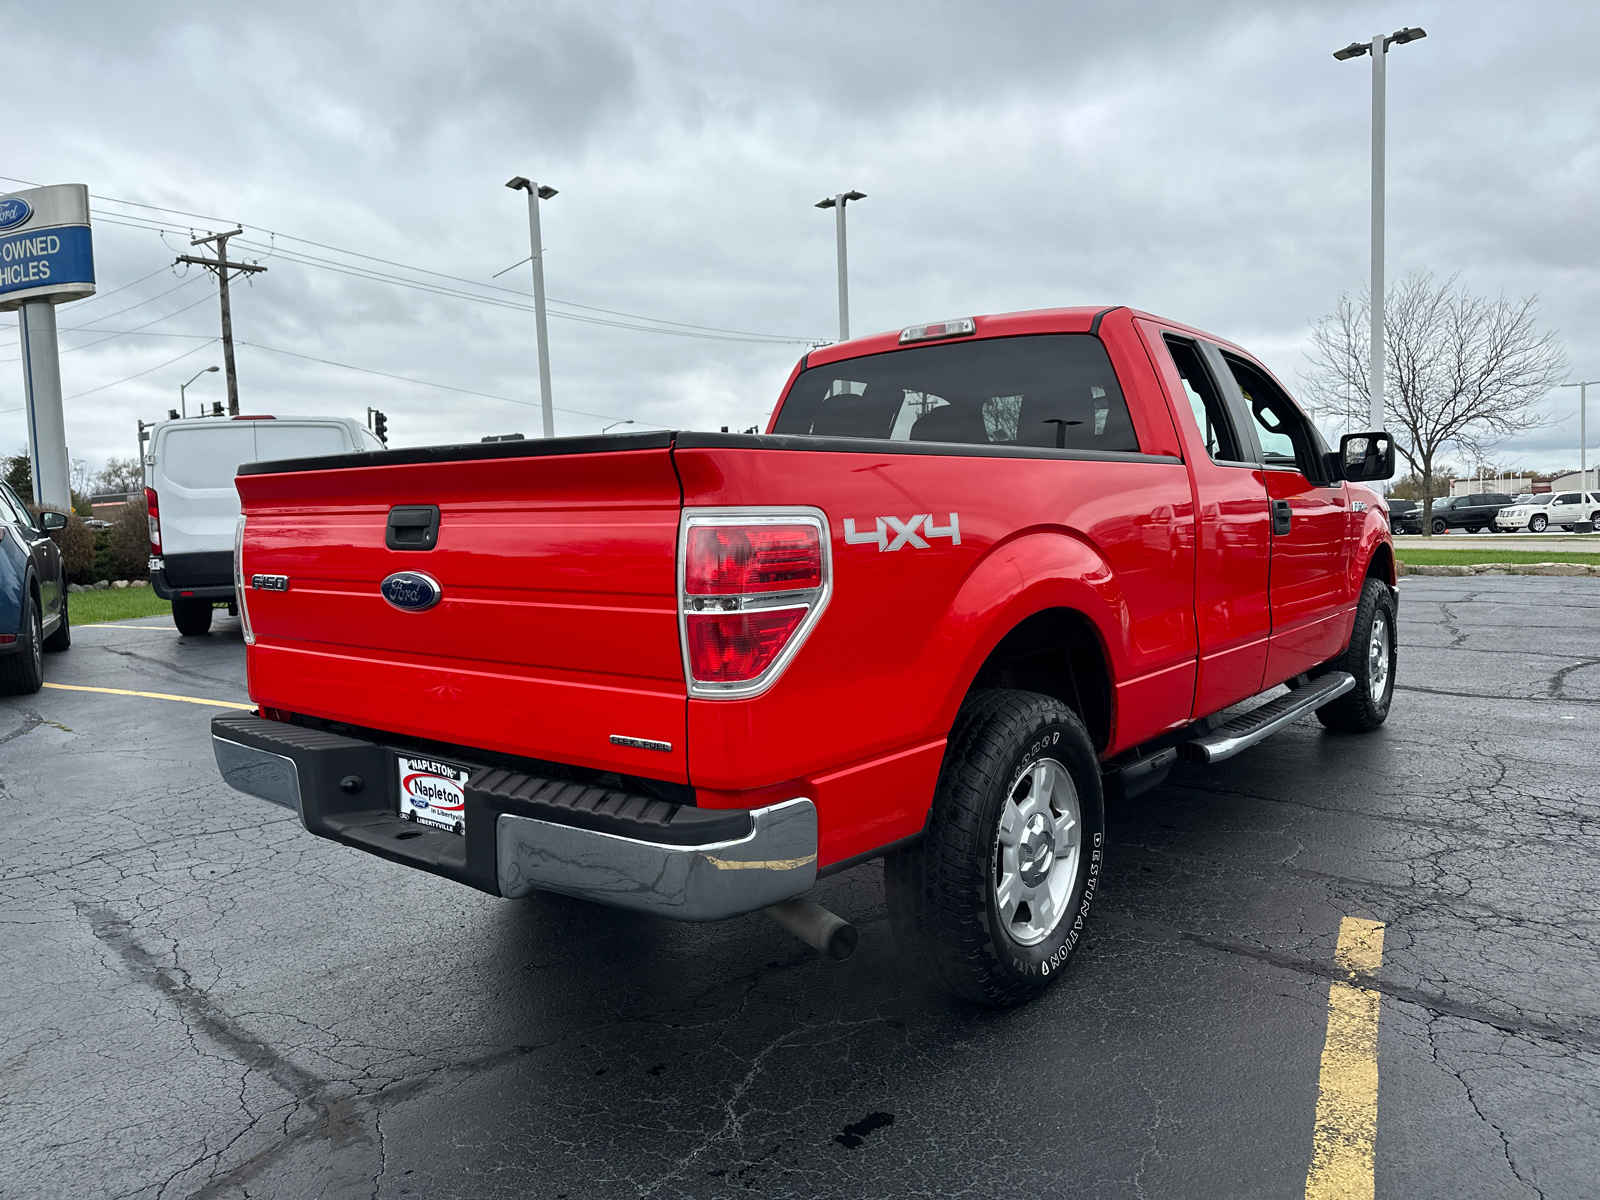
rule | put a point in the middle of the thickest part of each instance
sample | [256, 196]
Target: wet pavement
[204, 1000]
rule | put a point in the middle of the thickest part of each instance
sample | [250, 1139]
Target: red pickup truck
[977, 578]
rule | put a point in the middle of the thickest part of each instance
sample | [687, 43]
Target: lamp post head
[1401, 36]
[840, 199]
[208, 370]
[1353, 50]
[518, 183]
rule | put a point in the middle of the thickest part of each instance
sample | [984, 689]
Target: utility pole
[837, 203]
[222, 266]
[537, 192]
[1378, 48]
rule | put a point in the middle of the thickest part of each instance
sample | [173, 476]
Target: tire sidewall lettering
[1049, 957]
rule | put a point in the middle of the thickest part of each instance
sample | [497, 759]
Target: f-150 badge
[891, 533]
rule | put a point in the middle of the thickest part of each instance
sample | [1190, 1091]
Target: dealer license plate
[433, 792]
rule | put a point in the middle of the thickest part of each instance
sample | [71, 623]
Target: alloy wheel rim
[1378, 658]
[1037, 847]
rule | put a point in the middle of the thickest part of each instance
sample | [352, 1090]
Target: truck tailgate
[556, 628]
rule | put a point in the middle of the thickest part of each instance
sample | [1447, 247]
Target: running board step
[1246, 730]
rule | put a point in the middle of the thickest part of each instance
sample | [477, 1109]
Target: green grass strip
[1429, 557]
[117, 604]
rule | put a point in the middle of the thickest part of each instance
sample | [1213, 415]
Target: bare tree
[119, 475]
[1463, 371]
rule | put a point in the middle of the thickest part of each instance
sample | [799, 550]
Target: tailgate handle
[412, 527]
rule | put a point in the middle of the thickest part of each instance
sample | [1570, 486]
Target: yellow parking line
[1347, 1101]
[75, 687]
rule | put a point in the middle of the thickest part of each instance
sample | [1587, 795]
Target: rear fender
[1032, 572]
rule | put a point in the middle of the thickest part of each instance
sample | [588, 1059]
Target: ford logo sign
[14, 210]
[411, 590]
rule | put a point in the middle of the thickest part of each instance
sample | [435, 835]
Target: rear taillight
[752, 583]
[238, 582]
[153, 507]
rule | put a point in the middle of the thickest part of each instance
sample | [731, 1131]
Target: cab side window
[1210, 414]
[1287, 438]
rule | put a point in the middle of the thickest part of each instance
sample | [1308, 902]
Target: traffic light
[380, 426]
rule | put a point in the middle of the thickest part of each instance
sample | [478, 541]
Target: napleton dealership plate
[433, 792]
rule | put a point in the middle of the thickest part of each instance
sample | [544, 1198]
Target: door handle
[1281, 516]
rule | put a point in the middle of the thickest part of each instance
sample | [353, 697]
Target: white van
[194, 508]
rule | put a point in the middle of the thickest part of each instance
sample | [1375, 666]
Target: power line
[428, 383]
[729, 334]
[125, 332]
[147, 371]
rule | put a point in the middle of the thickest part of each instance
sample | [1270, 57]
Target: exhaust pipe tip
[816, 926]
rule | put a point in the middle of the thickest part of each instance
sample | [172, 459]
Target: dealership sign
[46, 249]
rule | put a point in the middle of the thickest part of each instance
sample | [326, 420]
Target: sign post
[46, 259]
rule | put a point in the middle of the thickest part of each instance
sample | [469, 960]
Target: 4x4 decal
[913, 532]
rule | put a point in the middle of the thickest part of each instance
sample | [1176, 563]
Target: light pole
[183, 404]
[837, 203]
[1583, 430]
[614, 424]
[537, 192]
[1379, 49]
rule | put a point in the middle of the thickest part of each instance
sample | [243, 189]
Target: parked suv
[1565, 509]
[1473, 513]
[1405, 516]
[194, 509]
[33, 594]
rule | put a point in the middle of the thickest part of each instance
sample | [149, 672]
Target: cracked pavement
[204, 1000]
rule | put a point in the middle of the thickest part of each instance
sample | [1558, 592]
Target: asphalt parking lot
[204, 1000]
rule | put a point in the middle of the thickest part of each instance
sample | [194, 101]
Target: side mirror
[1366, 457]
[52, 521]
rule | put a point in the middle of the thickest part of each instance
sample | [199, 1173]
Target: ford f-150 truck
[976, 579]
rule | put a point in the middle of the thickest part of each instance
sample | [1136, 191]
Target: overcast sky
[1208, 162]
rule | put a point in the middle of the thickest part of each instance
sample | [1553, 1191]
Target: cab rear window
[1044, 390]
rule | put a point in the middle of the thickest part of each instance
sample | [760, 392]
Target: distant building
[108, 504]
[1508, 485]
[1570, 482]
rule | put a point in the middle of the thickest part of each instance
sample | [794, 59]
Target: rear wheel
[22, 671]
[1538, 523]
[191, 616]
[1474, 528]
[1370, 658]
[61, 639]
[991, 903]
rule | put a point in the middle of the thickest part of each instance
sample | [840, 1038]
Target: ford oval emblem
[14, 210]
[411, 590]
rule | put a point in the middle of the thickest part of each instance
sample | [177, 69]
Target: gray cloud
[1208, 162]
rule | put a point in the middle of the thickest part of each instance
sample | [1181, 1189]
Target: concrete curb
[1564, 569]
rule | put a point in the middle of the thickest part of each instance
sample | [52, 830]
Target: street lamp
[184, 387]
[1379, 49]
[614, 424]
[537, 192]
[1583, 430]
[837, 203]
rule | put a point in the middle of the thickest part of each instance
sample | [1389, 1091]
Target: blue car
[33, 594]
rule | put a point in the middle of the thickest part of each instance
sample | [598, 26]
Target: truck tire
[1538, 523]
[1439, 526]
[22, 671]
[1370, 658]
[1018, 824]
[191, 616]
[61, 639]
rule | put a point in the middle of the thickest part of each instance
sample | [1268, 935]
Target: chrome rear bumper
[612, 848]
